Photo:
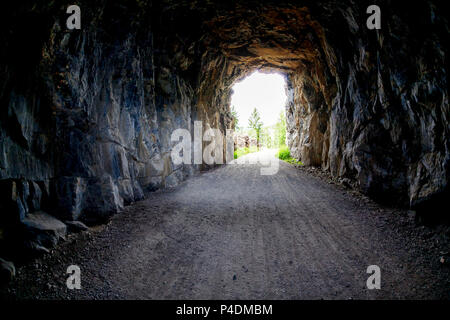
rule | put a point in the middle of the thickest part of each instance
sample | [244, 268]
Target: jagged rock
[44, 229]
[35, 197]
[76, 226]
[103, 198]
[346, 182]
[69, 196]
[244, 141]
[7, 271]
[35, 249]
[88, 116]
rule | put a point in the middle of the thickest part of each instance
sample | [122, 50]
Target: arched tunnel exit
[258, 107]
[113, 123]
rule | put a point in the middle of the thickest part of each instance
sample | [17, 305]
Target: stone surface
[33, 248]
[242, 140]
[7, 271]
[44, 229]
[87, 115]
[76, 226]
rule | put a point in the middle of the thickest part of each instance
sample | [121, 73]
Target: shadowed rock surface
[87, 115]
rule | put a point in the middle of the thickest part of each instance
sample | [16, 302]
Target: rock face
[242, 140]
[87, 115]
[7, 271]
[76, 226]
[375, 106]
[44, 229]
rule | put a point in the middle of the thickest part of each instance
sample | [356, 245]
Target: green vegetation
[274, 136]
[243, 151]
[269, 137]
[285, 155]
[256, 124]
[235, 116]
[280, 130]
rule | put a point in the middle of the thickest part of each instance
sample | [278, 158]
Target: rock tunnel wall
[91, 130]
[87, 115]
[374, 106]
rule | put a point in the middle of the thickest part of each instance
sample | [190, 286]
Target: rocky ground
[232, 233]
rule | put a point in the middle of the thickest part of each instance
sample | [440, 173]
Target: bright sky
[261, 90]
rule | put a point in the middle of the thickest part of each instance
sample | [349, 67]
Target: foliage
[243, 151]
[235, 116]
[273, 136]
[270, 137]
[280, 130]
[285, 154]
[255, 123]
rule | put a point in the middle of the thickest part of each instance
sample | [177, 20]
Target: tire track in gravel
[231, 233]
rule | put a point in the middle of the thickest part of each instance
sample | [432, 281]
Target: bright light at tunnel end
[265, 91]
[188, 151]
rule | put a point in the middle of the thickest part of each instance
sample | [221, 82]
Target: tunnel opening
[238, 43]
[258, 105]
[344, 114]
[92, 132]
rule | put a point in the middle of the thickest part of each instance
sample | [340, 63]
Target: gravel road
[232, 233]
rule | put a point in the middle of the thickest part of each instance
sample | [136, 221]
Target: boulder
[44, 229]
[7, 271]
[76, 226]
[34, 248]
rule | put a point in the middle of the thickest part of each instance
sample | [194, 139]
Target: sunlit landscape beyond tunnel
[135, 146]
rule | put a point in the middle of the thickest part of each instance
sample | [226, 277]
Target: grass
[285, 155]
[243, 151]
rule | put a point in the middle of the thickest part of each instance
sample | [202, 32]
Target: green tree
[256, 124]
[266, 138]
[280, 130]
[235, 117]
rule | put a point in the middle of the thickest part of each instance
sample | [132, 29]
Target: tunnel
[87, 114]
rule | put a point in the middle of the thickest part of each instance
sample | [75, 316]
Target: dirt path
[232, 233]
